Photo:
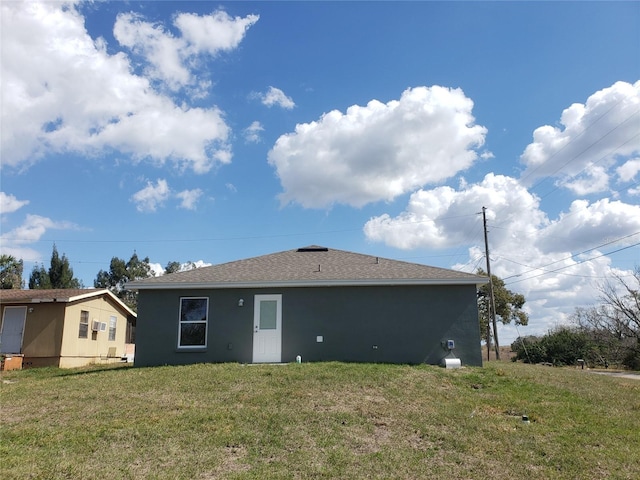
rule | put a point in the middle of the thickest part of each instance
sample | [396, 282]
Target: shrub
[529, 350]
[563, 346]
[632, 358]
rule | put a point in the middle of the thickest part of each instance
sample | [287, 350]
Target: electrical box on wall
[450, 345]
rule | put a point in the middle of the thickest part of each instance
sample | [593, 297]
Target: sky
[209, 132]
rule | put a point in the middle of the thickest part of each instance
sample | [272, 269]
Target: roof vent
[313, 248]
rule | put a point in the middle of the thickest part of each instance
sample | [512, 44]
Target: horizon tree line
[60, 275]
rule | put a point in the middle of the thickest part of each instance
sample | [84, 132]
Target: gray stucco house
[314, 302]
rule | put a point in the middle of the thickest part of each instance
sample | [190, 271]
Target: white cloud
[63, 92]
[586, 225]
[378, 151]
[33, 228]
[193, 138]
[628, 170]
[189, 198]
[159, 270]
[252, 132]
[186, 266]
[152, 196]
[275, 96]
[196, 264]
[593, 179]
[213, 33]
[594, 137]
[15, 242]
[167, 57]
[445, 217]
[9, 203]
[159, 48]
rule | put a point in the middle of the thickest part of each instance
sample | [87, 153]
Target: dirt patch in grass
[231, 462]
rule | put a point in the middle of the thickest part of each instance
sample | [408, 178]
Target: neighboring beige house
[65, 328]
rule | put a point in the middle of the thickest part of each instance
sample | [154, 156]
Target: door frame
[274, 337]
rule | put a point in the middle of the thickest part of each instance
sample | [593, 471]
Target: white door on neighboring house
[267, 329]
[13, 319]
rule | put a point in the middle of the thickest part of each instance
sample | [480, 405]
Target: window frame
[113, 325]
[182, 322]
[85, 324]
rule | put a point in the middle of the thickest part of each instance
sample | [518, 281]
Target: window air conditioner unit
[95, 326]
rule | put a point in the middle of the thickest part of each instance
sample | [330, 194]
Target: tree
[508, 306]
[621, 304]
[11, 272]
[39, 278]
[59, 275]
[121, 272]
[172, 267]
[615, 323]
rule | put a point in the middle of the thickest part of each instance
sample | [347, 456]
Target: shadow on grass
[51, 372]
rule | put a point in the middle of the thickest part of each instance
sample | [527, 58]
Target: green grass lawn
[323, 420]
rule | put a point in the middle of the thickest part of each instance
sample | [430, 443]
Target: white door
[267, 329]
[12, 329]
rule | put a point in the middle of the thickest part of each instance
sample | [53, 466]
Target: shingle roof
[44, 295]
[62, 295]
[309, 266]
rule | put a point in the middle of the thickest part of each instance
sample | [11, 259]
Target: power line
[571, 256]
[577, 263]
[557, 187]
[529, 266]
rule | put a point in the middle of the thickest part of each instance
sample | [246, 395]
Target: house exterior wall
[42, 334]
[51, 333]
[395, 324]
[82, 351]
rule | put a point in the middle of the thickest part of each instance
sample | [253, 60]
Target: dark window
[193, 322]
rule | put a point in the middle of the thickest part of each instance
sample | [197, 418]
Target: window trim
[86, 335]
[205, 321]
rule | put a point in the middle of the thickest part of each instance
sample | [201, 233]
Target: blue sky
[210, 132]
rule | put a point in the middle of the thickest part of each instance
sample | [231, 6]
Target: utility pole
[492, 303]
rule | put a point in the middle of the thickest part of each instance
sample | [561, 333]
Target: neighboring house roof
[62, 295]
[306, 267]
